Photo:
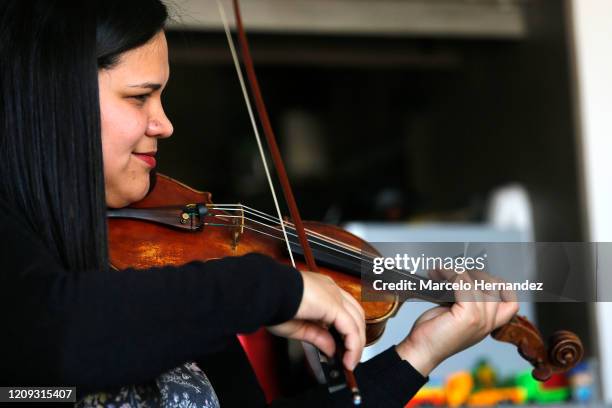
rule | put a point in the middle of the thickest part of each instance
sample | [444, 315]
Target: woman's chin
[128, 197]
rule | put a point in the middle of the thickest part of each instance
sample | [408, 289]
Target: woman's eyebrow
[151, 85]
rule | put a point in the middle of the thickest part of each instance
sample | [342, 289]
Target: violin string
[210, 224]
[315, 240]
[291, 225]
[321, 236]
[275, 228]
[247, 101]
[354, 254]
[315, 235]
[351, 253]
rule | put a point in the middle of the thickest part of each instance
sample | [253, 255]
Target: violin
[176, 224]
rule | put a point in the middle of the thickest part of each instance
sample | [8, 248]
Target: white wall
[591, 29]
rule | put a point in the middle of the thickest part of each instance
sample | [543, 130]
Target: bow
[278, 163]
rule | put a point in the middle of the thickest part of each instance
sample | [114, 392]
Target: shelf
[429, 18]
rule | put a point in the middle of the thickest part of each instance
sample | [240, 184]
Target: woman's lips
[148, 158]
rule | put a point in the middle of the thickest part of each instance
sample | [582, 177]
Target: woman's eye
[141, 98]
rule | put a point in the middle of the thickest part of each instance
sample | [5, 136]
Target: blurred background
[419, 120]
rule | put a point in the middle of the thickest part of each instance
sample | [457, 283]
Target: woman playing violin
[80, 119]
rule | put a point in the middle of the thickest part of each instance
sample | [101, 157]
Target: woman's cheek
[123, 142]
[115, 157]
[118, 164]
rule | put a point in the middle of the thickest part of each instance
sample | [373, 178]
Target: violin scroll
[564, 349]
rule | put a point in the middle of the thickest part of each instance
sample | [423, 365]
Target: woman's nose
[160, 126]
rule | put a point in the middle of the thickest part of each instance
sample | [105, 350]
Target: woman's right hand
[324, 304]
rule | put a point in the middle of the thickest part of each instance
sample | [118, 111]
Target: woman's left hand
[442, 331]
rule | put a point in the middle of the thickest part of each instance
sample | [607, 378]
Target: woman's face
[133, 119]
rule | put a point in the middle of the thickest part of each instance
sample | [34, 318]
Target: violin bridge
[238, 228]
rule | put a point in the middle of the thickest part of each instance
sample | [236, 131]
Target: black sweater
[99, 330]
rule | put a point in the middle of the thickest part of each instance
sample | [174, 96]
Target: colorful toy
[538, 393]
[484, 375]
[496, 396]
[458, 388]
[482, 388]
[581, 382]
[432, 394]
